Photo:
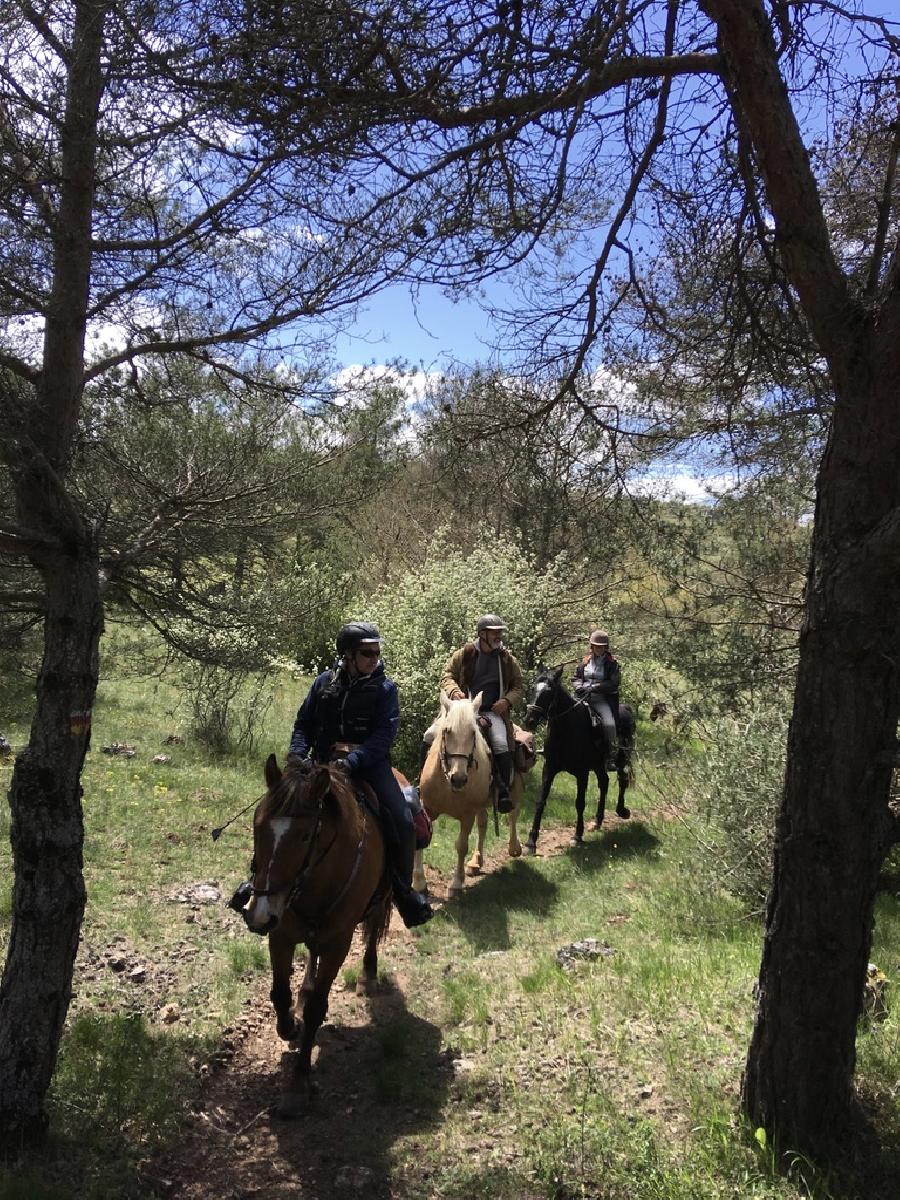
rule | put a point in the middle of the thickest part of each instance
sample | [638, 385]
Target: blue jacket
[365, 711]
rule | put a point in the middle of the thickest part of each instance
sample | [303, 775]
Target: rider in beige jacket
[485, 666]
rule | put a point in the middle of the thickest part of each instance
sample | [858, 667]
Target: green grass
[615, 1081]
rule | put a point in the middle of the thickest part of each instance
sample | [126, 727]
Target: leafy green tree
[140, 224]
[431, 611]
[694, 123]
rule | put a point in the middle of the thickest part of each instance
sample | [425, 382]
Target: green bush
[739, 787]
[434, 610]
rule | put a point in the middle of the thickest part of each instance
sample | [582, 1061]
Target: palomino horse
[318, 863]
[456, 782]
[571, 748]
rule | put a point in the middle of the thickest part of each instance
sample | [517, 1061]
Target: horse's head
[286, 827]
[543, 695]
[458, 738]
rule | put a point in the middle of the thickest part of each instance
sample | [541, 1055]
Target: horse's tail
[378, 920]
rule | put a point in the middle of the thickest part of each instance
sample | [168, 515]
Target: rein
[308, 865]
[445, 757]
[553, 709]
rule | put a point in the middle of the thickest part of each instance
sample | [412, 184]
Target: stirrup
[242, 894]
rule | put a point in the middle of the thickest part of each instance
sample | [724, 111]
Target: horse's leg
[309, 975]
[622, 809]
[549, 774]
[603, 785]
[476, 862]
[514, 846]
[368, 976]
[295, 1097]
[418, 880]
[281, 956]
[462, 845]
[582, 782]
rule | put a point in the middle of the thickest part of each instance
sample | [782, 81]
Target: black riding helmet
[490, 621]
[354, 634]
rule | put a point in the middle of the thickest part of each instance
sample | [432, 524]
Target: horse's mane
[291, 795]
[457, 716]
[549, 676]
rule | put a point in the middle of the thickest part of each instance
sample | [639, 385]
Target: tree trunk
[47, 832]
[47, 836]
[834, 826]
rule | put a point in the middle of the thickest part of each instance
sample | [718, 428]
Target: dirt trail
[236, 1149]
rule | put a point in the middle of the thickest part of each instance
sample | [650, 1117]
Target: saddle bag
[421, 819]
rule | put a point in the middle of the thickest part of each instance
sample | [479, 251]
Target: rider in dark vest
[350, 716]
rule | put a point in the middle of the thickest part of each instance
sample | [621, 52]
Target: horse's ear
[557, 674]
[272, 773]
[476, 703]
[445, 703]
[540, 668]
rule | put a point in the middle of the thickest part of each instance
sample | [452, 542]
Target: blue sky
[428, 330]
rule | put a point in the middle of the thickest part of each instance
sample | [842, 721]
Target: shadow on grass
[482, 913]
[627, 840]
[111, 1102]
[865, 1163]
[374, 1085]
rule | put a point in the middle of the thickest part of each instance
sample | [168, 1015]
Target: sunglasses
[368, 653]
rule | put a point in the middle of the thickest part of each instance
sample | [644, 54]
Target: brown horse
[319, 871]
[456, 781]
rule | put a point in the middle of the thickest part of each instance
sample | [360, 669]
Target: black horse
[573, 747]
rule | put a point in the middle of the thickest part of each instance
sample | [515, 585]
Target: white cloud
[682, 483]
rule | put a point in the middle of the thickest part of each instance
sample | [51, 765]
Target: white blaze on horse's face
[263, 908]
[458, 740]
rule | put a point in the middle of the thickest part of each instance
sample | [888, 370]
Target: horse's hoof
[623, 812]
[473, 869]
[529, 849]
[598, 825]
[515, 851]
[366, 987]
[289, 1032]
[577, 841]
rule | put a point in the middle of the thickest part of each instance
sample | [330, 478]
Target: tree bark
[834, 825]
[47, 833]
[47, 836]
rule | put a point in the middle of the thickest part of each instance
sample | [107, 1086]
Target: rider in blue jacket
[350, 716]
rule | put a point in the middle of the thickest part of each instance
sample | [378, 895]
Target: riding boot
[504, 763]
[242, 894]
[401, 853]
[612, 757]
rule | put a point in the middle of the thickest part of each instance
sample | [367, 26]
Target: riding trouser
[399, 834]
[601, 711]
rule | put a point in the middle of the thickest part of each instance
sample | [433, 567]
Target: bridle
[446, 757]
[296, 886]
[533, 711]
